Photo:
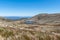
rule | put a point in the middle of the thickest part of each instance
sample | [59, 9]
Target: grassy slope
[17, 34]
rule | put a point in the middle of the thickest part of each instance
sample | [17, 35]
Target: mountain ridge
[46, 18]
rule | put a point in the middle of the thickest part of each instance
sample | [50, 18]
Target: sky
[28, 7]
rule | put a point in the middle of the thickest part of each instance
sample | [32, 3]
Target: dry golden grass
[8, 33]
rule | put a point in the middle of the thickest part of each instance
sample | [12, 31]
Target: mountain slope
[47, 18]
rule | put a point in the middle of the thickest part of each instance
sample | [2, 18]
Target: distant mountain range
[16, 17]
[38, 19]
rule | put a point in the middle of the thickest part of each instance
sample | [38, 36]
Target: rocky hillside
[47, 18]
[35, 28]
